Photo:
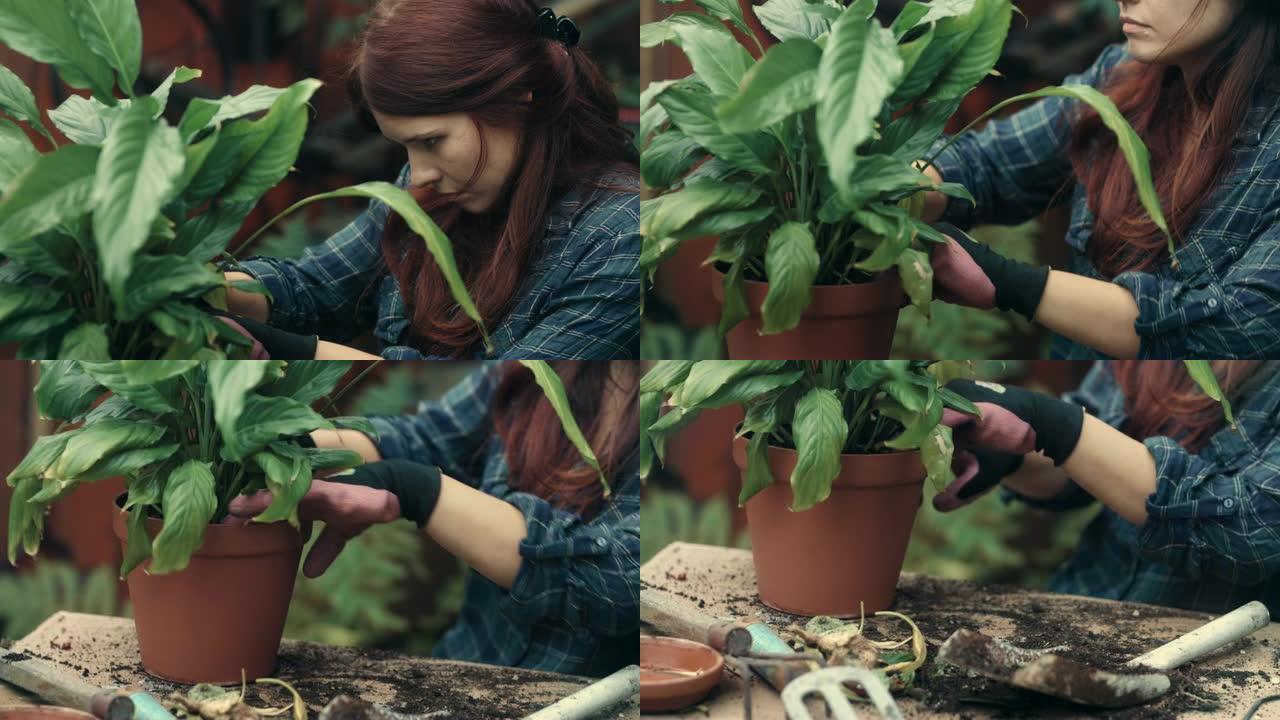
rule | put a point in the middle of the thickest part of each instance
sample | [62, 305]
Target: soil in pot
[842, 556]
[842, 322]
[225, 612]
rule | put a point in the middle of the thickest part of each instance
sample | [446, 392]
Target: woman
[1191, 507]
[490, 475]
[1198, 80]
[516, 150]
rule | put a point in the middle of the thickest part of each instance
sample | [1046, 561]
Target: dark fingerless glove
[1019, 286]
[1057, 423]
[415, 485]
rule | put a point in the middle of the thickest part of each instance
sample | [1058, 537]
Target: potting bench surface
[721, 583]
[104, 651]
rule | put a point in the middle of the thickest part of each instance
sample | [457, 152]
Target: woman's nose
[424, 177]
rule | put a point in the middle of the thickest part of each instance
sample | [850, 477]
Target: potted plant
[188, 437]
[833, 456]
[805, 162]
[107, 240]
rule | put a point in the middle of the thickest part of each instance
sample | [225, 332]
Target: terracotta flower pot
[842, 322]
[224, 612]
[681, 281]
[842, 551]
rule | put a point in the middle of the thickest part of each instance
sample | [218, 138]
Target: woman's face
[1175, 31]
[444, 151]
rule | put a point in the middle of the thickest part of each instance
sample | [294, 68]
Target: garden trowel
[64, 689]
[1051, 674]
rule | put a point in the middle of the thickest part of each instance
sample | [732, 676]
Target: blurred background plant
[54, 585]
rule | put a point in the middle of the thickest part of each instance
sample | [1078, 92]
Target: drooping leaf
[137, 546]
[667, 157]
[189, 504]
[665, 216]
[553, 388]
[288, 474]
[791, 263]
[1201, 371]
[64, 390]
[650, 405]
[820, 432]
[140, 164]
[128, 462]
[664, 374]
[24, 518]
[936, 452]
[42, 454]
[95, 442]
[917, 277]
[708, 377]
[757, 476]
[203, 113]
[694, 113]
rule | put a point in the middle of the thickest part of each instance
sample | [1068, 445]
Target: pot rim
[852, 475]
[881, 295]
[225, 539]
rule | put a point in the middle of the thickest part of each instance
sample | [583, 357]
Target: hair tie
[562, 29]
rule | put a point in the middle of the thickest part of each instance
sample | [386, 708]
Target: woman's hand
[245, 304]
[349, 504]
[988, 449]
[966, 272]
[1030, 421]
[278, 344]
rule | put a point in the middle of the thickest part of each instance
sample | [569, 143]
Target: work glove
[1013, 422]
[966, 272]
[276, 343]
[348, 504]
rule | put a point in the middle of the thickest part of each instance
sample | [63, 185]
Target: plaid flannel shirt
[575, 604]
[580, 300]
[1212, 537]
[1223, 302]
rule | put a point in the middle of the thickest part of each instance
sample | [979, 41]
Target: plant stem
[343, 390]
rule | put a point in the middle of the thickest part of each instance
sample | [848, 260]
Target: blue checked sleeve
[330, 291]
[1234, 316]
[586, 574]
[1016, 166]
[449, 433]
[1205, 519]
[594, 313]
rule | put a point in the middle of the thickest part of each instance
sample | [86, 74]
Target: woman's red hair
[542, 460]
[482, 58]
[1189, 137]
[1162, 399]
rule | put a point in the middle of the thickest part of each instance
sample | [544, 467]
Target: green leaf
[24, 518]
[668, 215]
[44, 31]
[16, 153]
[724, 10]
[910, 136]
[288, 473]
[859, 71]
[42, 454]
[160, 278]
[668, 156]
[189, 504]
[911, 15]
[146, 383]
[265, 419]
[230, 386]
[329, 458]
[650, 405]
[137, 546]
[140, 164]
[65, 391]
[782, 84]
[655, 33]
[734, 306]
[665, 374]
[708, 377]
[757, 476]
[948, 39]
[19, 301]
[308, 380]
[86, 342]
[55, 189]
[551, 385]
[797, 19]
[29, 326]
[936, 452]
[128, 462]
[694, 113]
[205, 236]
[917, 278]
[111, 29]
[403, 204]
[85, 120]
[17, 100]
[179, 75]
[282, 130]
[820, 433]
[716, 57]
[201, 113]
[95, 442]
[979, 53]
[791, 263]
[749, 388]
[952, 399]
[355, 423]
[1201, 371]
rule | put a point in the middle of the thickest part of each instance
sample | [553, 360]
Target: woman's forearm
[326, 350]
[1094, 313]
[935, 203]
[1037, 478]
[245, 304]
[347, 440]
[1114, 468]
[479, 529]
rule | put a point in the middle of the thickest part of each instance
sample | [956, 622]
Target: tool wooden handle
[48, 682]
[1238, 623]
[679, 619]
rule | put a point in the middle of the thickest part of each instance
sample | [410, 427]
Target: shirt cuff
[282, 312]
[390, 441]
[1166, 310]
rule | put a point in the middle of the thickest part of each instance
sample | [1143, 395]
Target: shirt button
[1228, 503]
[1213, 302]
[602, 542]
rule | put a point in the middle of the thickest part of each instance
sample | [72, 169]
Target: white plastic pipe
[594, 698]
[1243, 621]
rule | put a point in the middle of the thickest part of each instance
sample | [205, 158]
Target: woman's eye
[430, 142]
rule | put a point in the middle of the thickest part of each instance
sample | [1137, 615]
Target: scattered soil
[104, 651]
[1103, 635]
